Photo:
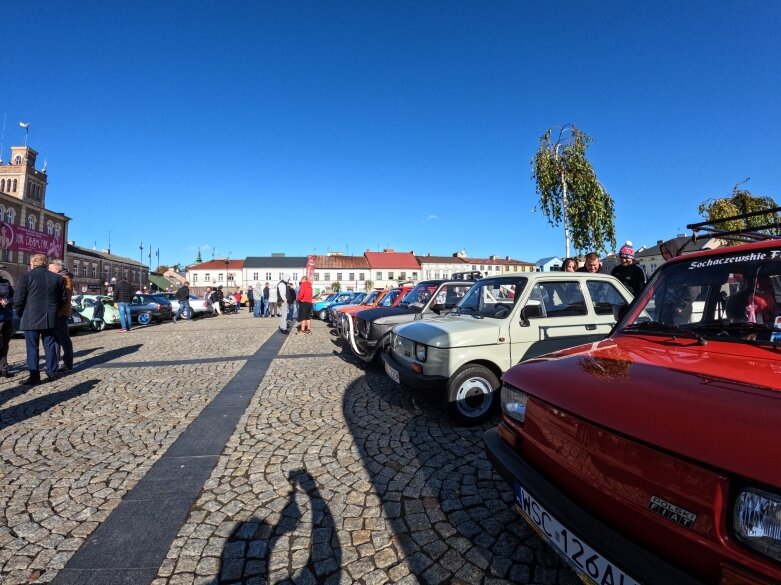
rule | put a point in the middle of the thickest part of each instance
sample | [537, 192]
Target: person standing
[216, 299]
[592, 263]
[251, 300]
[237, 298]
[569, 265]
[6, 322]
[282, 303]
[305, 306]
[291, 303]
[62, 334]
[183, 296]
[272, 308]
[39, 297]
[123, 296]
[257, 290]
[629, 273]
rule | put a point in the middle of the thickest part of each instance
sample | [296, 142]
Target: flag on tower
[24, 125]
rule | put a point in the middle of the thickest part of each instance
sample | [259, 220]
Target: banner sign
[19, 239]
[310, 268]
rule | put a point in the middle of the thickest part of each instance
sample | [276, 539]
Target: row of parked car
[640, 436]
[145, 309]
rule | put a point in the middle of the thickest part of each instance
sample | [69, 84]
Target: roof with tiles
[498, 261]
[339, 261]
[391, 259]
[217, 264]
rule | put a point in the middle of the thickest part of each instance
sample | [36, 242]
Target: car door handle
[591, 327]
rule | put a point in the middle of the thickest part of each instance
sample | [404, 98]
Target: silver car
[199, 306]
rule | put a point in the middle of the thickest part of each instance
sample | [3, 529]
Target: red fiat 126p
[654, 456]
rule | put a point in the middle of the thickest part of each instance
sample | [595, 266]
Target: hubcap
[474, 397]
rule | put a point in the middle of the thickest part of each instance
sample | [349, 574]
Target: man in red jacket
[305, 306]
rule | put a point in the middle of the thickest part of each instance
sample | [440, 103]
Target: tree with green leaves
[570, 193]
[336, 286]
[742, 201]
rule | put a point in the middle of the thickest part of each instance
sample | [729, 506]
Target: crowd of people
[43, 303]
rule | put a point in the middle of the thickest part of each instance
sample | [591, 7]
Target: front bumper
[412, 380]
[630, 556]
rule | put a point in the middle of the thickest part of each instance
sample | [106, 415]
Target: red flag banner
[19, 239]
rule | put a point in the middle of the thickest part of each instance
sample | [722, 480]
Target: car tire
[472, 394]
[323, 314]
[144, 318]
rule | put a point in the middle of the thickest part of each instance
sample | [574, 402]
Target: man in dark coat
[183, 296]
[123, 295]
[38, 298]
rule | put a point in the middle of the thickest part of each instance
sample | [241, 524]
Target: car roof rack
[745, 234]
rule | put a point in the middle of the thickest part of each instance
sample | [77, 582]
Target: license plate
[592, 567]
[392, 374]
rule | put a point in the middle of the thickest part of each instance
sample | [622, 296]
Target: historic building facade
[26, 226]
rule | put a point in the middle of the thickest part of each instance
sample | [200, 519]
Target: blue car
[320, 309]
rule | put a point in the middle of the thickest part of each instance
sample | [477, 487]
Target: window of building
[268, 276]
[32, 222]
[14, 185]
[482, 267]
[474, 266]
[10, 216]
[339, 276]
[195, 277]
[219, 276]
[327, 276]
[317, 276]
[295, 276]
[49, 227]
[403, 275]
[379, 275]
[515, 269]
[2, 184]
[94, 271]
[361, 276]
[436, 274]
[230, 276]
[207, 277]
[254, 276]
[84, 270]
[351, 276]
[57, 229]
[390, 275]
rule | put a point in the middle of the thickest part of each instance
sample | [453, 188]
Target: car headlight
[367, 328]
[757, 521]
[420, 352]
[514, 403]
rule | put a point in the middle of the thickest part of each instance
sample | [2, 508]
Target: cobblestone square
[333, 474]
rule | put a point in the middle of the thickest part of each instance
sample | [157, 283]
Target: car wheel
[472, 394]
[323, 314]
[144, 318]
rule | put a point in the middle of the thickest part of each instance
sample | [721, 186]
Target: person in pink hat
[628, 272]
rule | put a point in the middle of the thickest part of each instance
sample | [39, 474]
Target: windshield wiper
[676, 330]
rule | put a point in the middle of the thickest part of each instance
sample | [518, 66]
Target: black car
[429, 299]
[145, 308]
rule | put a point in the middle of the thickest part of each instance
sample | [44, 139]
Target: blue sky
[302, 127]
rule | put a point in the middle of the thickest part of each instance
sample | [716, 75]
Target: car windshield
[419, 295]
[370, 298]
[390, 298]
[493, 298]
[731, 297]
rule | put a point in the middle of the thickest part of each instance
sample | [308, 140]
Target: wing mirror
[530, 312]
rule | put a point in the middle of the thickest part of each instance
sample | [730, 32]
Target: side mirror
[530, 312]
[619, 311]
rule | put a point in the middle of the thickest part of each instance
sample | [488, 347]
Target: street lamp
[141, 268]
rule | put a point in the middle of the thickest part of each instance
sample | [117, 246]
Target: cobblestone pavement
[333, 475]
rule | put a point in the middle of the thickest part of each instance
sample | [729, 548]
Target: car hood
[448, 332]
[695, 401]
[380, 313]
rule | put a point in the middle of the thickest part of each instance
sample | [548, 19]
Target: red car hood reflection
[676, 395]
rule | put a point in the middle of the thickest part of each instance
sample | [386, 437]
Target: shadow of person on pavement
[20, 412]
[440, 495]
[304, 539]
[105, 357]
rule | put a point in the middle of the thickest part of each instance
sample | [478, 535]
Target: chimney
[71, 242]
[507, 258]
[106, 251]
[387, 250]
[412, 252]
[494, 257]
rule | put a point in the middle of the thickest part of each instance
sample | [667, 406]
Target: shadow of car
[145, 308]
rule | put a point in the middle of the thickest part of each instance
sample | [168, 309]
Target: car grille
[362, 327]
